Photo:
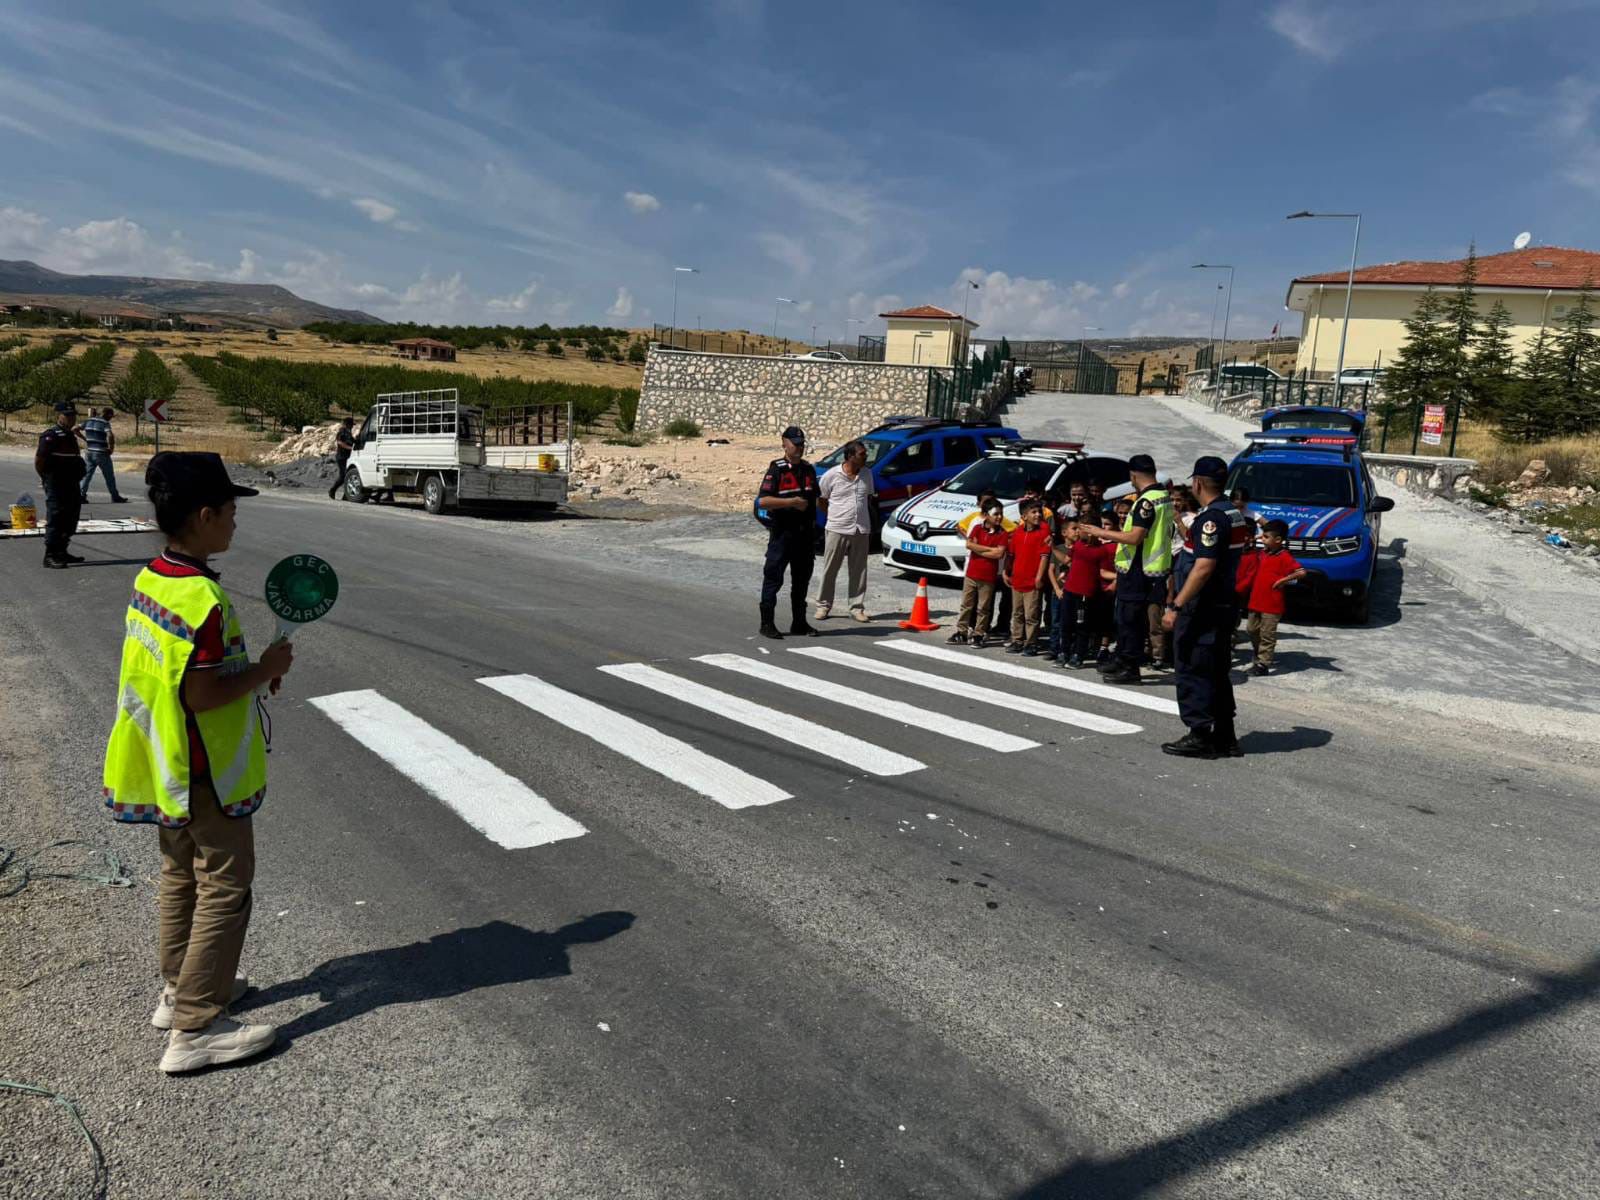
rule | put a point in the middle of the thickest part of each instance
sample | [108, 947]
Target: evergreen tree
[1529, 410]
[1493, 365]
[1421, 371]
[1460, 319]
[1005, 350]
[1576, 349]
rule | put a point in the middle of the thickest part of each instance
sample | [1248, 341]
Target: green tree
[1529, 410]
[1577, 376]
[553, 347]
[1459, 315]
[1005, 350]
[637, 352]
[147, 380]
[1421, 371]
[1493, 364]
[594, 353]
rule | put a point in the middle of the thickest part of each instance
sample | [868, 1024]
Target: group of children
[1043, 573]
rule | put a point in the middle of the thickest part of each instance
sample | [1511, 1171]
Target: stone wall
[738, 393]
[1428, 474]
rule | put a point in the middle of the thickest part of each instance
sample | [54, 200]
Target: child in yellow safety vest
[188, 754]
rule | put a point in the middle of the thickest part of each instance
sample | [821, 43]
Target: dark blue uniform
[791, 538]
[61, 470]
[1203, 634]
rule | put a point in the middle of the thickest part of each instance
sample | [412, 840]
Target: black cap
[1209, 466]
[66, 406]
[795, 434]
[1142, 463]
[196, 476]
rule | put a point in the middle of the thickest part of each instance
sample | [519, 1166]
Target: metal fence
[963, 393]
[1066, 366]
[722, 343]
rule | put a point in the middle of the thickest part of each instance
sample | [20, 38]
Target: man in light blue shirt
[99, 443]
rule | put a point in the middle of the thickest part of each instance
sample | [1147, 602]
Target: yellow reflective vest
[1157, 540]
[147, 759]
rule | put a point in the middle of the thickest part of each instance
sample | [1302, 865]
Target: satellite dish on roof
[1521, 241]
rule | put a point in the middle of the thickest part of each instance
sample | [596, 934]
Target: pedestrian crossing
[513, 815]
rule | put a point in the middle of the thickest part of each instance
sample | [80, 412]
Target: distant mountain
[234, 303]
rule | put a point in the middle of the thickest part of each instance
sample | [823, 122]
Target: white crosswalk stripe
[956, 687]
[677, 760]
[502, 808]
[895, 710]
[829, 743]
[1049, 678]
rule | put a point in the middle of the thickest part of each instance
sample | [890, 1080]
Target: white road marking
[1049, 677]
[650, 748]
[895, 710]
[503, 809]
[955, 687]
[818, 738]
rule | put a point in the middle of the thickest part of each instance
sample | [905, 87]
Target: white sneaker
[162, 1017]
[860, 614]
[822, 613]
[223, 1041]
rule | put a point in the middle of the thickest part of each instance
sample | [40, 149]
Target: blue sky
[553, 162]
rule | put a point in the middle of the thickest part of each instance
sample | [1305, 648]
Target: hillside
[247, 303]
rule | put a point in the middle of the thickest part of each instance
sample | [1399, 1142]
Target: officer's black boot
[1226, 742]
[769, 628]
[1193, 744]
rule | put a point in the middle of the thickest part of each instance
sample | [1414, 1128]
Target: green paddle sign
[301, 588]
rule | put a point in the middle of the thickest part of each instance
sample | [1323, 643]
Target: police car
[922, 537]
[911, 455]
[1304, 468]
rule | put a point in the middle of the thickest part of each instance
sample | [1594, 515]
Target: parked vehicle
[1239, 372]
[1305, 468]
[1361, 376]
[912, 455]
[825, 355]
[922, 536]
[429, 444]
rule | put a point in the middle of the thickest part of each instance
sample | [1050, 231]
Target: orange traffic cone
[919, 611]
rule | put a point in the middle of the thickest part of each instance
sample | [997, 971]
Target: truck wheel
[353, 491]
[433, 494]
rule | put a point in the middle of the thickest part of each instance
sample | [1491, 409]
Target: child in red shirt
[1275, 568]
[1029, 554]
[986, 546]
[1082, 618]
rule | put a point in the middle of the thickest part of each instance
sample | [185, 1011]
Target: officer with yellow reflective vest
[188, 754]
[1144, 559]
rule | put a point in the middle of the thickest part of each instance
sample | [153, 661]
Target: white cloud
[1562, 118]
[789, 251]
[517, 302]
[377, 210]
[1317, 32]
[641, 202]
[623, 305]
[1019, 307]
[1120, 290]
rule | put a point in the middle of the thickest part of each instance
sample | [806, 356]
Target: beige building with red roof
[926, 336]
[1538, 285]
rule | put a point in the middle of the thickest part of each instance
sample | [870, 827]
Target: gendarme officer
[61, 469]
[789, 496]
[1202, 617]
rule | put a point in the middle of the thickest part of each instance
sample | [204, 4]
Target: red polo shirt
[1028, 547]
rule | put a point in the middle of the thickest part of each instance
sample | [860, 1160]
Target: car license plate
[917, 548]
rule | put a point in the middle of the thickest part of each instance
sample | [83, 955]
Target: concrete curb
[1488, 596]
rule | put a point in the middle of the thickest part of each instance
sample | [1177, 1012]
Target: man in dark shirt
[344, 444]
[1202, 615]
[60, 468]
[789, 496]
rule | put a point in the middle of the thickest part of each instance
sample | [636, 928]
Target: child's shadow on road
[463, 960]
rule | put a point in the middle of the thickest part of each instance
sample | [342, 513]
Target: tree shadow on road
[449, 964]
[1148, 1168]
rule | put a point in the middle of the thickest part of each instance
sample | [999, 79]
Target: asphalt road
[1359, 962]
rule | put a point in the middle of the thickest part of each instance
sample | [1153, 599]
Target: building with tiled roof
[926, 336]
[1538, 286]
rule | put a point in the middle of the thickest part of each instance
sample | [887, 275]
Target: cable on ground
[97, 1186]
[24, 870]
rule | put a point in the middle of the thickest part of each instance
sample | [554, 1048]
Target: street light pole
[676, 271]
[779, 300]
[1349, 289]
[972, 286]
[1226, 312]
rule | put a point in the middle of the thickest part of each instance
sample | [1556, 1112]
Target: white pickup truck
[452, 455]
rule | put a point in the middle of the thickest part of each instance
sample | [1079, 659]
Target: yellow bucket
[547, 462]
[24, 516]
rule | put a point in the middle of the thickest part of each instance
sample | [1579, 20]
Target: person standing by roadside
[60, 469]
[344, 445]
[1028, 552]
[100, 443]
[789, 495]
[1201, 620]
[1275, 569]
[847, 497]
[986, 546]
[1143, 561]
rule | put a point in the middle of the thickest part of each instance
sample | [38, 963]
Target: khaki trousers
[204, 904]
[1025, 615]
[837, 549]
[1263, 629]
[977, 601]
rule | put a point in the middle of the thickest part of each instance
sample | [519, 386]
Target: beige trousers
[838, 549]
